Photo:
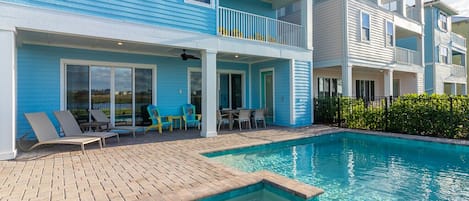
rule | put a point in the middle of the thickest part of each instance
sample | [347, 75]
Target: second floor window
[389, 34]
[207, 3]
[365, 26]
[443, 21]
[443, 55]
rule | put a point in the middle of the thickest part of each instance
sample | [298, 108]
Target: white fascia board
[408, 24]
[263, 49]
[14, 17]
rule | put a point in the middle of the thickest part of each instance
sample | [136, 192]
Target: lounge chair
[47, 134]
[189, 116]
[71, 127]
[100, 117]
[158, 122]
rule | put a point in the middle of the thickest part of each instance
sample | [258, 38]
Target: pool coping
[296, 188]
[302, 190]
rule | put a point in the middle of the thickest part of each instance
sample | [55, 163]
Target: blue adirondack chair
[158, 122]
[190, 118]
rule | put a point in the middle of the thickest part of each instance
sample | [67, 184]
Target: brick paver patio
[150, 167]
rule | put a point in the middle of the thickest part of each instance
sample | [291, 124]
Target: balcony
[242, 25]
[458, 70]
[407, 57]
[458, 41]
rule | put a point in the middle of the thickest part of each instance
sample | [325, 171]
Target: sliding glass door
[230, 90]
[122, 93]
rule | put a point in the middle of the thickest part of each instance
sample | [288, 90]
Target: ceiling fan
[185, 56]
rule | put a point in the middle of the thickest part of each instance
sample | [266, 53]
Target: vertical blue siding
[167, 13]
[429, 79]
[282, 89]
[256, 7]
[430, 24]
[302, 80]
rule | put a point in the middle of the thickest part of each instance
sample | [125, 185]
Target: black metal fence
[443, 116]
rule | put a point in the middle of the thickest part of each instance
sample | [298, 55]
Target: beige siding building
[368, 48]
[461, 27]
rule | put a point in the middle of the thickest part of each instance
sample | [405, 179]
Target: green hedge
[428, 115]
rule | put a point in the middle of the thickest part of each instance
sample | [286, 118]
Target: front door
[267, 94]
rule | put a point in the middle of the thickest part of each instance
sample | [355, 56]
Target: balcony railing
[406, 56]
[458, 40]
[238, 24]
[458, 70]
[413, 13]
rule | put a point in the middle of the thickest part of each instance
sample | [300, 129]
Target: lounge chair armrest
[199, 116]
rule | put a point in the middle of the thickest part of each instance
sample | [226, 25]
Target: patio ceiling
[74, 41]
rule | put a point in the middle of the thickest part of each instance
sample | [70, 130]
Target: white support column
[8, 91]
[347, 80]
[307, 22]
[419, 79]
[209, 93]
[388, 79]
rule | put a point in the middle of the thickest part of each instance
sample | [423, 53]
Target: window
[365, 26]
[329, 87]
[389, 34]
[443, 22]
[206, 3]
[365, 89]
[443, 55]
[390, 5]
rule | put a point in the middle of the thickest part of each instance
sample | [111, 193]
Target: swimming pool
[353, 166]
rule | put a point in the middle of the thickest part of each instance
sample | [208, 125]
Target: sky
[461, 5]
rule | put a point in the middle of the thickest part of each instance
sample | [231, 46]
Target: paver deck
[150, 167]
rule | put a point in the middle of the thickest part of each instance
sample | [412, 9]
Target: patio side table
[177, 119]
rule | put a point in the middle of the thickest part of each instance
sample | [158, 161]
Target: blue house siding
[168, 13]
[430, 20]
[408, 43]
[255, 7]
[302, 79]
[282, 89]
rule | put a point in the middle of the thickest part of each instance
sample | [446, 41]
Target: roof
[459, 19]
[442, 6]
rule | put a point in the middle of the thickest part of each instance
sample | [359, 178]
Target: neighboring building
[367, 48]
[461, 27]
[445, 51]
[120, 56]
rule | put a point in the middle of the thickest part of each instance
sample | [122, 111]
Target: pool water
[352, 166]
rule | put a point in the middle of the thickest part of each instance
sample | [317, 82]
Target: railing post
[338, 112]
[266, 29]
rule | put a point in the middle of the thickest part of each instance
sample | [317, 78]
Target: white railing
[458, 70]
[238, 24]
[413, 13]
[406, 56]
[458, 40]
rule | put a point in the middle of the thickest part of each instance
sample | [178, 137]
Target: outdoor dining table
[231, 113]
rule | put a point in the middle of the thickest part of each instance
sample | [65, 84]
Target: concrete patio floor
[148, 167]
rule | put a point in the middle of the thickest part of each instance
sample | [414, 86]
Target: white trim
[361, 26]
[113, 65]
[292, 93]
[198, 3]
[273, 90]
